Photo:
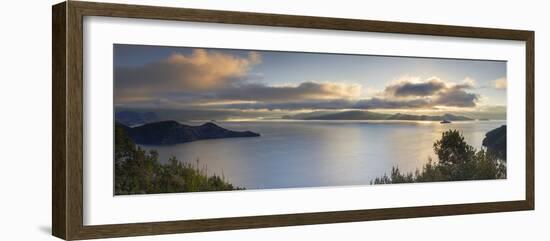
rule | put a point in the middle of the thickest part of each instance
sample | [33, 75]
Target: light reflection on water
[319, 153]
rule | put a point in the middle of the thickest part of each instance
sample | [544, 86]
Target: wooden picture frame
[67, 152]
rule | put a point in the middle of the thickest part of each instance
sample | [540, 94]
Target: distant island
[172, 132]
[369, 115]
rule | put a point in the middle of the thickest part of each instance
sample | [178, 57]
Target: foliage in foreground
[458, 161]
[140, 172]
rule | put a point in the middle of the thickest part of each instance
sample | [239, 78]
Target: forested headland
[140, 172]
[457, 161]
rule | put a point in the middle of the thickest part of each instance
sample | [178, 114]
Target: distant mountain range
[132, 118]
[369, 115]
[172, 132]
[136, 118]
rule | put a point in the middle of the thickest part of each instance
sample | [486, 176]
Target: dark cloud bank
[216, 80]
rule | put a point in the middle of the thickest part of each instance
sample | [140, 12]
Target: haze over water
[319, 153]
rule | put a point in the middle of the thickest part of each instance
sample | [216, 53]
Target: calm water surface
[319, 153]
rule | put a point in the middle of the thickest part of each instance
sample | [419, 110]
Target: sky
[254, 84]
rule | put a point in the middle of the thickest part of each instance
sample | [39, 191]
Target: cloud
[415, 94]
[433, 92]
[406, 88]
[411, 87]
[455, 97]
[303, 91]
[206, 75]
[469, 82]
[216, 79]
[501, 83]
[200, 71]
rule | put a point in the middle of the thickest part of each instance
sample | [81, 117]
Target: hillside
[495, 141]
[138, 171]
[172, 132]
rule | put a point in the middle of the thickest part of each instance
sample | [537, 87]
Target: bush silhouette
[140, 172]
[457, 161]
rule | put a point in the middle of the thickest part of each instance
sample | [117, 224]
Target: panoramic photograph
[191, 119]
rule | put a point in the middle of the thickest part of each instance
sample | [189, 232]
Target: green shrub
[458, 161]
[140, 172]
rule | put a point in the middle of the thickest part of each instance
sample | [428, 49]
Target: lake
[319, 153]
